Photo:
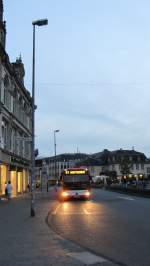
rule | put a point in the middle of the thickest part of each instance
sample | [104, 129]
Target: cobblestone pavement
[29, 241]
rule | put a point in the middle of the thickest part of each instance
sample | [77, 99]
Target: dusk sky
[92, 71]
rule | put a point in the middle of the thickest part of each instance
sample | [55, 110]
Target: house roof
[90, 161]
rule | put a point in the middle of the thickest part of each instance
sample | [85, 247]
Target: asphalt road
[112, 225]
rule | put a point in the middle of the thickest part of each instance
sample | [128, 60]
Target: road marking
[71, 213]
[87, 258]
[55, 211]
[86, 212]
[76, 213]
[126, 198]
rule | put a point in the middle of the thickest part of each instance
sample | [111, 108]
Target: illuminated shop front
[16, 171]
[19, 174]
[19, 181]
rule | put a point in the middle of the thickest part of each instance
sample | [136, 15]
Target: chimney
[19, 69]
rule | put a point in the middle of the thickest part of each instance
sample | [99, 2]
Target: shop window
[19, 190]
[3, 179]
[13, 179]
[24, 180]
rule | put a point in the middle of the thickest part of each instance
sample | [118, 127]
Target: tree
[126, 165]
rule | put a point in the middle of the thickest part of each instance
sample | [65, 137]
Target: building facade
[15, 120]
[119, 163]
[124, 164]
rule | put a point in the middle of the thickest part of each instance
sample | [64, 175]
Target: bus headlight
[87, 193]
[64, 194]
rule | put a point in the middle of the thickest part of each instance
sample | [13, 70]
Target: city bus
[75, 183]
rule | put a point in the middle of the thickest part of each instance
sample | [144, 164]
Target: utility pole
[41, 22]
[55, 131]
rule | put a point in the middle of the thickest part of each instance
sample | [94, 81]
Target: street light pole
[41, 22]
[55, 131]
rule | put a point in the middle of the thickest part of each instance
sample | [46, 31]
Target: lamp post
[55, 131]
[40, 22]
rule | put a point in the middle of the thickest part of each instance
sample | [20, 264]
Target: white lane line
[55, 211]
[87, 258]
[126, 198]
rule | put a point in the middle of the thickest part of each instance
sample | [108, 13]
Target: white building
[46, 166]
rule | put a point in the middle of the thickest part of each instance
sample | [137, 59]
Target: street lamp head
[40, 22]
[57, 130]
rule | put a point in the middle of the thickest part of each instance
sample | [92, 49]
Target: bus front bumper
[75, 194]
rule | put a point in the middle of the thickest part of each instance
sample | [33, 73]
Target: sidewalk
[26, 241]
[130, 190]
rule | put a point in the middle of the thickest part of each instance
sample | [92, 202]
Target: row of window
[15, 103]
[15, 141]
[59, 166]
[137, 166]
[121, 158]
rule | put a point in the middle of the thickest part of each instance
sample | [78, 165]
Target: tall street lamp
[40, 22]
[55, 131]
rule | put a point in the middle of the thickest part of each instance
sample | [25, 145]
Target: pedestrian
[9, 190]
[28, 186]
[6, 194]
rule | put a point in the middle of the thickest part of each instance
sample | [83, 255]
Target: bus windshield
[76, 178]
[76, 181]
